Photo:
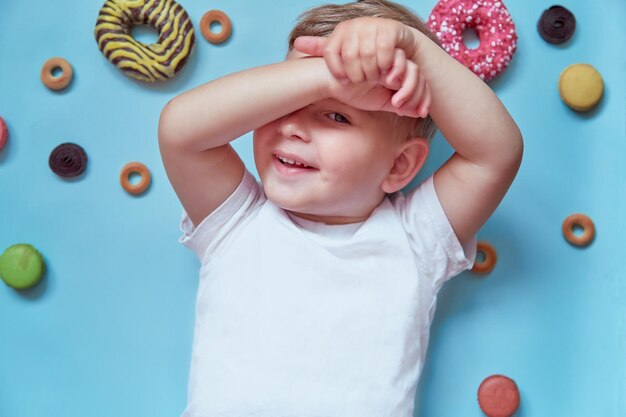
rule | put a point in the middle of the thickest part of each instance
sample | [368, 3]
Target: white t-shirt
[296, 318]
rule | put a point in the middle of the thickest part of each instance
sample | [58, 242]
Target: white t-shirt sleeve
[219, 224]
[438, 251]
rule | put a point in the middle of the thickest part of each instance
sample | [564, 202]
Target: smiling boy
[318, 284]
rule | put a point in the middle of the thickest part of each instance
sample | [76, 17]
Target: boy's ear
[410, 158]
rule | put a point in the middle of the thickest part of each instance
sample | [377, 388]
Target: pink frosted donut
[494, 27]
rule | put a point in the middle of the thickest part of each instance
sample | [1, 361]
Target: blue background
[108, 332]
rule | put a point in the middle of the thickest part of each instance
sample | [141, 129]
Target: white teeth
[291, 161]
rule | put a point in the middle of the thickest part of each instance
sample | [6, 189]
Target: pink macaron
[4, 133]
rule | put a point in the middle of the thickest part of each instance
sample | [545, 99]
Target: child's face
[349, 153]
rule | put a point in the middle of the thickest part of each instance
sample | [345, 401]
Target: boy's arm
[195, 128]
[487, 142]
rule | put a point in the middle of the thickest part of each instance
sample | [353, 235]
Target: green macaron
[21, 266]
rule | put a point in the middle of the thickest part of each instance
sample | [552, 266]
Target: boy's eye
[339, 118]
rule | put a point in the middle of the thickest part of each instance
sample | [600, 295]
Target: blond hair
[321, 21]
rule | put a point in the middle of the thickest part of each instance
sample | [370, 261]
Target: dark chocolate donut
[556, 25]
[68, 160]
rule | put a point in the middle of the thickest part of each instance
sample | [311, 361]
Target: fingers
[310, 45]
[406, 41]
[385, 51]
[375, 56]
[425, 105]
[413, 98]
[419, 104]
[332, 57]
[378, 54]
[359, 55]
[351, 58]
[328, 48]
[359, 60]
[409, 84]
[369, 61]
[411, 106]
[393, 80]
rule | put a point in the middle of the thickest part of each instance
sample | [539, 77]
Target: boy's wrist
[322, 78]
[419, 40]
[327, 80]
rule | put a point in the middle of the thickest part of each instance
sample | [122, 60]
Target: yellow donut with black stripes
[155, 62]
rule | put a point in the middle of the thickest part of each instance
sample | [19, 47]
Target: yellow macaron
[581, 86]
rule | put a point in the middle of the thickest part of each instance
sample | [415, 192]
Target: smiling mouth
[291, 163]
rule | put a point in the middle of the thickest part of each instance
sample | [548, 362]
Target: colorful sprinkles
[494, 27]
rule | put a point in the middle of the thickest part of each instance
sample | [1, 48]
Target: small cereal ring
[556, 25]
[68, 160]
[4, 133]
[581, 87]
[159, 61]
[135, 168]
[498, 396]
[582, 221]
[215, 16]
[21, 266]
[489, 262]
[494, 27]
[58, 82]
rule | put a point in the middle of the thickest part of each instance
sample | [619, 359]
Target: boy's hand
[378, 52]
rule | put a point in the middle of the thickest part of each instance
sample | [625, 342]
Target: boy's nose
[294, 126]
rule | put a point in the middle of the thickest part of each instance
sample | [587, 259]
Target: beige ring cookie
[56, 82]
[136, 168]
[582, 221]
[219, 17]
[486, 265]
